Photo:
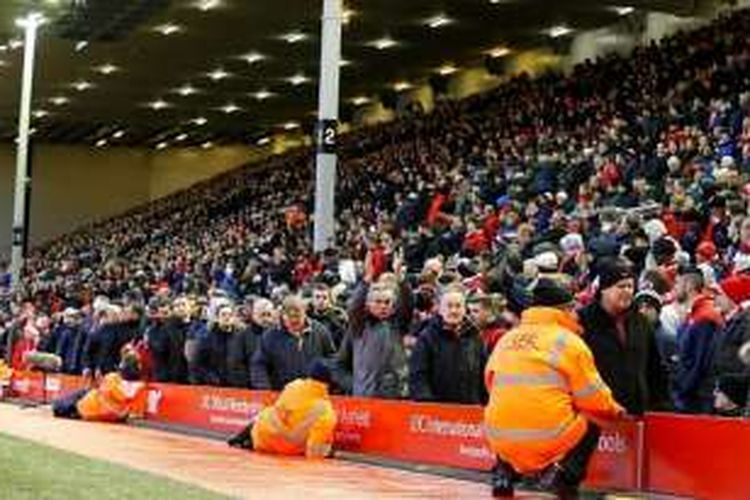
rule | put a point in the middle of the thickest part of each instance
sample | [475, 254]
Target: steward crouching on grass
[300, 422]
[119, 395]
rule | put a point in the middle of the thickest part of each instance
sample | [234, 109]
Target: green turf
[36, 472]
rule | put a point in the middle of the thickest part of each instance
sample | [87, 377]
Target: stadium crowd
[627, 181]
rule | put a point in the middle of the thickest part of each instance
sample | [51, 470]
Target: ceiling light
[344, 62]
[253, 57]
[3, 48]
[59, 100]
[298, 79]
[447, 69]
[218, 74]
[200, 121]
[187, 90]
[162, 145]
[158, 104]
[498, 52]
[168, 29]
[39, 113]
[438, 21]
[101, 143]
[262, 95]
[207, 145]
[624, 10]
[558, 31]
[294, 37]
[107, 69]
[15, 43]
[383, 43]
[360, 100]
[230, 108]
[82, 85]
[291, 125]
[181, 137]
[81, 45]
[119, 134]
[399, 86]
[263, 141]
[206, 5]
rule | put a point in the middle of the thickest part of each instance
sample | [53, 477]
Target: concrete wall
[73, 185]
[172, 170]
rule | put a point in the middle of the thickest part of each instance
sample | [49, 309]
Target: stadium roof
[137, 72]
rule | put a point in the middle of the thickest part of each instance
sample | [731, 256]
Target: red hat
[707, 250]
[737, 287]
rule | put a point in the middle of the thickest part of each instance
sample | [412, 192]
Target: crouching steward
[547, 399]
[119, 395]
[300, 422]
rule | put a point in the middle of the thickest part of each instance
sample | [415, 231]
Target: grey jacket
[372, 361]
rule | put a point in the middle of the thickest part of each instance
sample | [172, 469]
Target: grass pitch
[37, 472]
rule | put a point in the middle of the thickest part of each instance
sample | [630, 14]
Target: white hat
[654, 229]
[546, 261]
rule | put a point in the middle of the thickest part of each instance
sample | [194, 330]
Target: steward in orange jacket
[300, 422]
[119, 395]
[545, 394]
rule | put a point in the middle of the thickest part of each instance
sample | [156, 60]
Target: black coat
[634, 371]
[446, 367]
[282, 357]
[214, 358]
[242, 347]
[166, 340]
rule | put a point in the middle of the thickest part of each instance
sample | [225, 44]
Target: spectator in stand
[731, 373]
[214, 359]
[448, 359]
[323, 311]
[487, 314]
[285, 352]
[246, 342]
[696, 341]
[166, 341]
[70, 338]
[372, 361]
[623, 341]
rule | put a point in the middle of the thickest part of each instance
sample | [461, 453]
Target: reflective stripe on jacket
[300, 422]
[542, 382]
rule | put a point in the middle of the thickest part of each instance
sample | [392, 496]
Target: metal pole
[30, 25]
[328, 112]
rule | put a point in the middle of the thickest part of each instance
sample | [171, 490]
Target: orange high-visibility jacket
[300, 422]
[543, 384]
[114, 400]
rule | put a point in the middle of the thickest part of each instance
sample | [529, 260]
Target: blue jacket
[693, 384]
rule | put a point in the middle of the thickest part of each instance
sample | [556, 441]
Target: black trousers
[66, 406]
[574, 464]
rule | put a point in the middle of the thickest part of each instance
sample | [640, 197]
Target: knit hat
[547, 261]
[736, 287]
[612, 271]
[319, 371]
[707, 250]
[548, 293]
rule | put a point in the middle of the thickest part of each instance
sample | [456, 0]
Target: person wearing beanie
[547, 399]
[696, 341]
[300, 422]
[731, 358]
[623, 341]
